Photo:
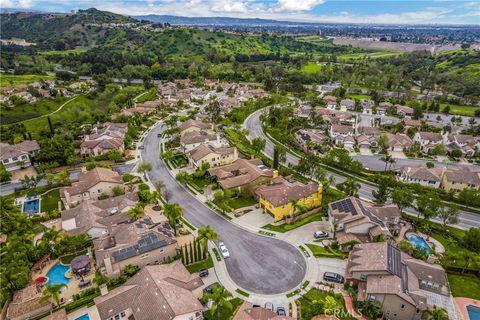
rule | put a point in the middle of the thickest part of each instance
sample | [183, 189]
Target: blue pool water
[473, 312]
[83, 317]
[31, 206]
[419, 242]
[57, 274]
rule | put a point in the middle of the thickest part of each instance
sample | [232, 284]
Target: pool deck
[439, 248]
[72, 286]
[462, 304]
[91, 311]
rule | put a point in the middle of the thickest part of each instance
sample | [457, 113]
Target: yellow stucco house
[459, 179]
[283, 196]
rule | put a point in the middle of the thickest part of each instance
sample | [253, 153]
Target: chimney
[103, 289]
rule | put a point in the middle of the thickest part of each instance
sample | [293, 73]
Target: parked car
[223, 250]
[269, 306]
[333, 277]
[203, 273]
[320, 234]
[159, 135]
[141, 147]
[209, 288]
[281, 311]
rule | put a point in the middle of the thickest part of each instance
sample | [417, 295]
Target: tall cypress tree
[275, 158]
[192, 257]
[187, 256]
[50, 126]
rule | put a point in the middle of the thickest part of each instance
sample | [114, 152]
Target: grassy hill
[59, 31]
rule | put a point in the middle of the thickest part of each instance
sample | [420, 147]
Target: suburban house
[18, 156]
[95, 217]
[368, 131]
[367, 105]
[141, 111]
[404, 110]
[193, 139]
[428, 140]
[161, 292]
[309, 140]
[283, 196]
[90, 185]
[412, 123]
[136, 243]
[338, 133]
[303, 111]
[347, 104]
[364, 141]
[403, 286]
[214, 156]
[248, 312]
[353, 220]
[330, 102]
[466, 143]
[430, 177]
[103, 139]
[459, 179]
[399, 142]
[195, 126]
[25, 303]
[383, 108]
[246, 174]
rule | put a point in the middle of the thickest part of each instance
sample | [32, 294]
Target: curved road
[258, 264]
[467, 220]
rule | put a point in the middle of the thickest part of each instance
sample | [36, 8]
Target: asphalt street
[467, 220]
[258, 264]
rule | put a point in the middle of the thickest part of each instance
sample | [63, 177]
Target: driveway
[305, 233]
[258, 264]
[331, 265]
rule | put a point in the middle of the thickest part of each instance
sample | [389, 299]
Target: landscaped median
[282, 228]
[326, 252]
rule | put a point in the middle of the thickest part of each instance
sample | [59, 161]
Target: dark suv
[333, 277]
[203, 273]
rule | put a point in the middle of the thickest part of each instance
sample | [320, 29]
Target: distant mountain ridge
[180, 20]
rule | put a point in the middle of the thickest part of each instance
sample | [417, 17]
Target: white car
[223, 250]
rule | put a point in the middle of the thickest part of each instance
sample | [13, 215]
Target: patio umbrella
[40, 280]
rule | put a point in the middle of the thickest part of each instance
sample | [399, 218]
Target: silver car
[223, 250]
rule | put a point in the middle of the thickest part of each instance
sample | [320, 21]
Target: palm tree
[168, 155]
[52, 293]
[160, 185]
[145, 167]
[174, 213]
[136, 212]
[436, 314]
[350, 187]
[207, 234]
[219, 300]
[388, 159]
[50, 239]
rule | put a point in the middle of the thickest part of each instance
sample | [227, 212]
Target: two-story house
[428, 140]
[18, 156]
[214, 156]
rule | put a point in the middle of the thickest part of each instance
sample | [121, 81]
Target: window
[99, 190]
[117, 317]
[402, 306]
[15, 158]
[122, 314]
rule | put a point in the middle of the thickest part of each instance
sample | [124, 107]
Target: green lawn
[460, 110]
[465, 285]
[287, 227]
[197, 266]
[200, 183]
[358, 96]
[240, 202]
[360, 55]
[29, 110]
[312, 67]
[327, 252]
[454, 253]
[50, 201]
[13, 79]
[62, 52]
[68, 258]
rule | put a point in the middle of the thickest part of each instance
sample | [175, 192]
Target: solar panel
[345, 205]
[124, 253]
[394, 263]
[149, 242]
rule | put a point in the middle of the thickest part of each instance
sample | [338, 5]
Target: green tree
[381, 195]
[168, 155]
[350, 187]
[403, 198]
[117, 191]
[213, 110]
[258, 144]
[52, 293]
[383, 142]
[448, 214]
[136, 212]
[427, 205]
[219, 298]
[144, 167]
[436, 313]
[174, 213]
[389, 160]
[183, 177]
[207, 234]
[472, 239]
[5, 175]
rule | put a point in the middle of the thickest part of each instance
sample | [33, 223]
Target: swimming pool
[473, 312]
[57, 274]
[31, 206]
[83, 317]
[418, 242]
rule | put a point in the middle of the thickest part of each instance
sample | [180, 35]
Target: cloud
[296, 5]
[229, 6]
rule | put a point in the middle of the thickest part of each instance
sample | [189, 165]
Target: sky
[340, 11]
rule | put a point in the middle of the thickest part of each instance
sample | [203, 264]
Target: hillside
[59, 31]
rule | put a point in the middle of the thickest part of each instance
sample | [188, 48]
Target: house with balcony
[428, 140]
[18, 156]
[214, 156]
[429, 177]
